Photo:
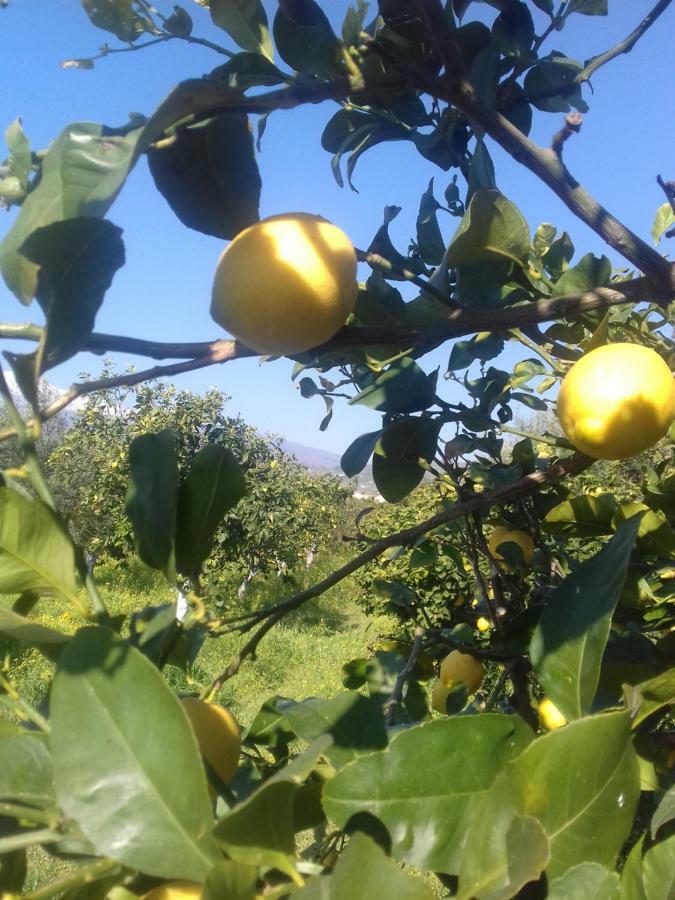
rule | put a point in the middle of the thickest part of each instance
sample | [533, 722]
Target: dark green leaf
[26, 774]
[570, 637]
[381, 244]
[151, 499]
[13, 871]
[231, 880]
[380, 304]
[81, 175]
[209, 175]
[403, 388]
[179, 22]
[269, 726]
[260, 831]
[354, 673]
[492, 229]
[126, 764]
[305, 39]
[513, 29]
[580, 782]
[355, 723]
[246, 23]
[583, 516]
[363, 870]
[430, 241]
[35, 552]
[247, 70]
[649, 697]
[215, 484]
[587, 7]
[555, 72]
[559, 254]
[396, 467]
[120, 17]
[590, 272]
[77, 260]
[356, 456]
[426, 807]
[583, 881]
[481, 171]
[483, 346]
[49, 641]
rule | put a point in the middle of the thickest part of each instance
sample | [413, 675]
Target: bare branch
[397, 694]
[572, 125]
[269, 616]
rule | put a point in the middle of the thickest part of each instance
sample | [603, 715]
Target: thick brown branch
[271, 615]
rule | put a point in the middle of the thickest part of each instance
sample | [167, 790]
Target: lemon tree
[531, 757]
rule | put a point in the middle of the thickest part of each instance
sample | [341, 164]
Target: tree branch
[397, 694]
[271, 615]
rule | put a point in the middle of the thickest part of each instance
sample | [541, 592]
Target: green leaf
[396, 467]
[35, 552]
[658, 870]
[120, 17]
[356, 456]
[655, 535]
[582, 516]
[214, 485]
[13, 871]
[403, 388]
[481, 171]
[649, 697]
[26, 774]
[246, 23]
[665, 811]
[151, 499]
[269, 726]
[126, 764]
[580, 782]
[557, 257]
[209, 176]
[355, 723]
[483, 346]
[232, 880]
[492, 229]
[77, 260]
[555, 72]
[430, 241]
[587, 7]
[19, 149]
[590, 272]
[632, 887]
[363, 870]
[247, 70]
[426, 807]
[305, 39]
[663, 220]
[570, 637]
[381, 244]
[353, 23]
[82, 174]
[260, 831]
[47, 640]
[583, 881]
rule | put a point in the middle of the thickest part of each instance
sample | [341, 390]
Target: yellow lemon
[508, 536]
[483, 624]
[174, 890]
[458, 667]
[217, 734]
[616, 401]
[285, 284]
[550, 716]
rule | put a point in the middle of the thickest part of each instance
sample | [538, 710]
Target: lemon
[483, 624]
[174, 890]
[458, 667]
[616, 401]
[286, 284]
[439, 694]
[510, 536]
[550, 716]
[217, 734]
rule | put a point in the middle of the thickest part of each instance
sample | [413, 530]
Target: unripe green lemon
[286, 284]
[458, 667]
[217, 734]
[550, 716]
[175, 890]
[616, 401]
[503, 535]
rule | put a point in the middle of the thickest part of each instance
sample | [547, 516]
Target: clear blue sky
[163, 291]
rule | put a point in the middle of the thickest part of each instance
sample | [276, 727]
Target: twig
[29, 839]
[571, 125]
[271, 615]
[668, 188]
[379, 262]
[499, 687]
[396, 697]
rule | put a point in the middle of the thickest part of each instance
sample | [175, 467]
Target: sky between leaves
[163, 292]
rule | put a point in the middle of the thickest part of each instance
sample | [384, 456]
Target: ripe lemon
[285, 284]
[508, 536]
[483, 624]
[217, 734]
[174, 890]
[550, 716]
[461, 667]
[616, 401]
